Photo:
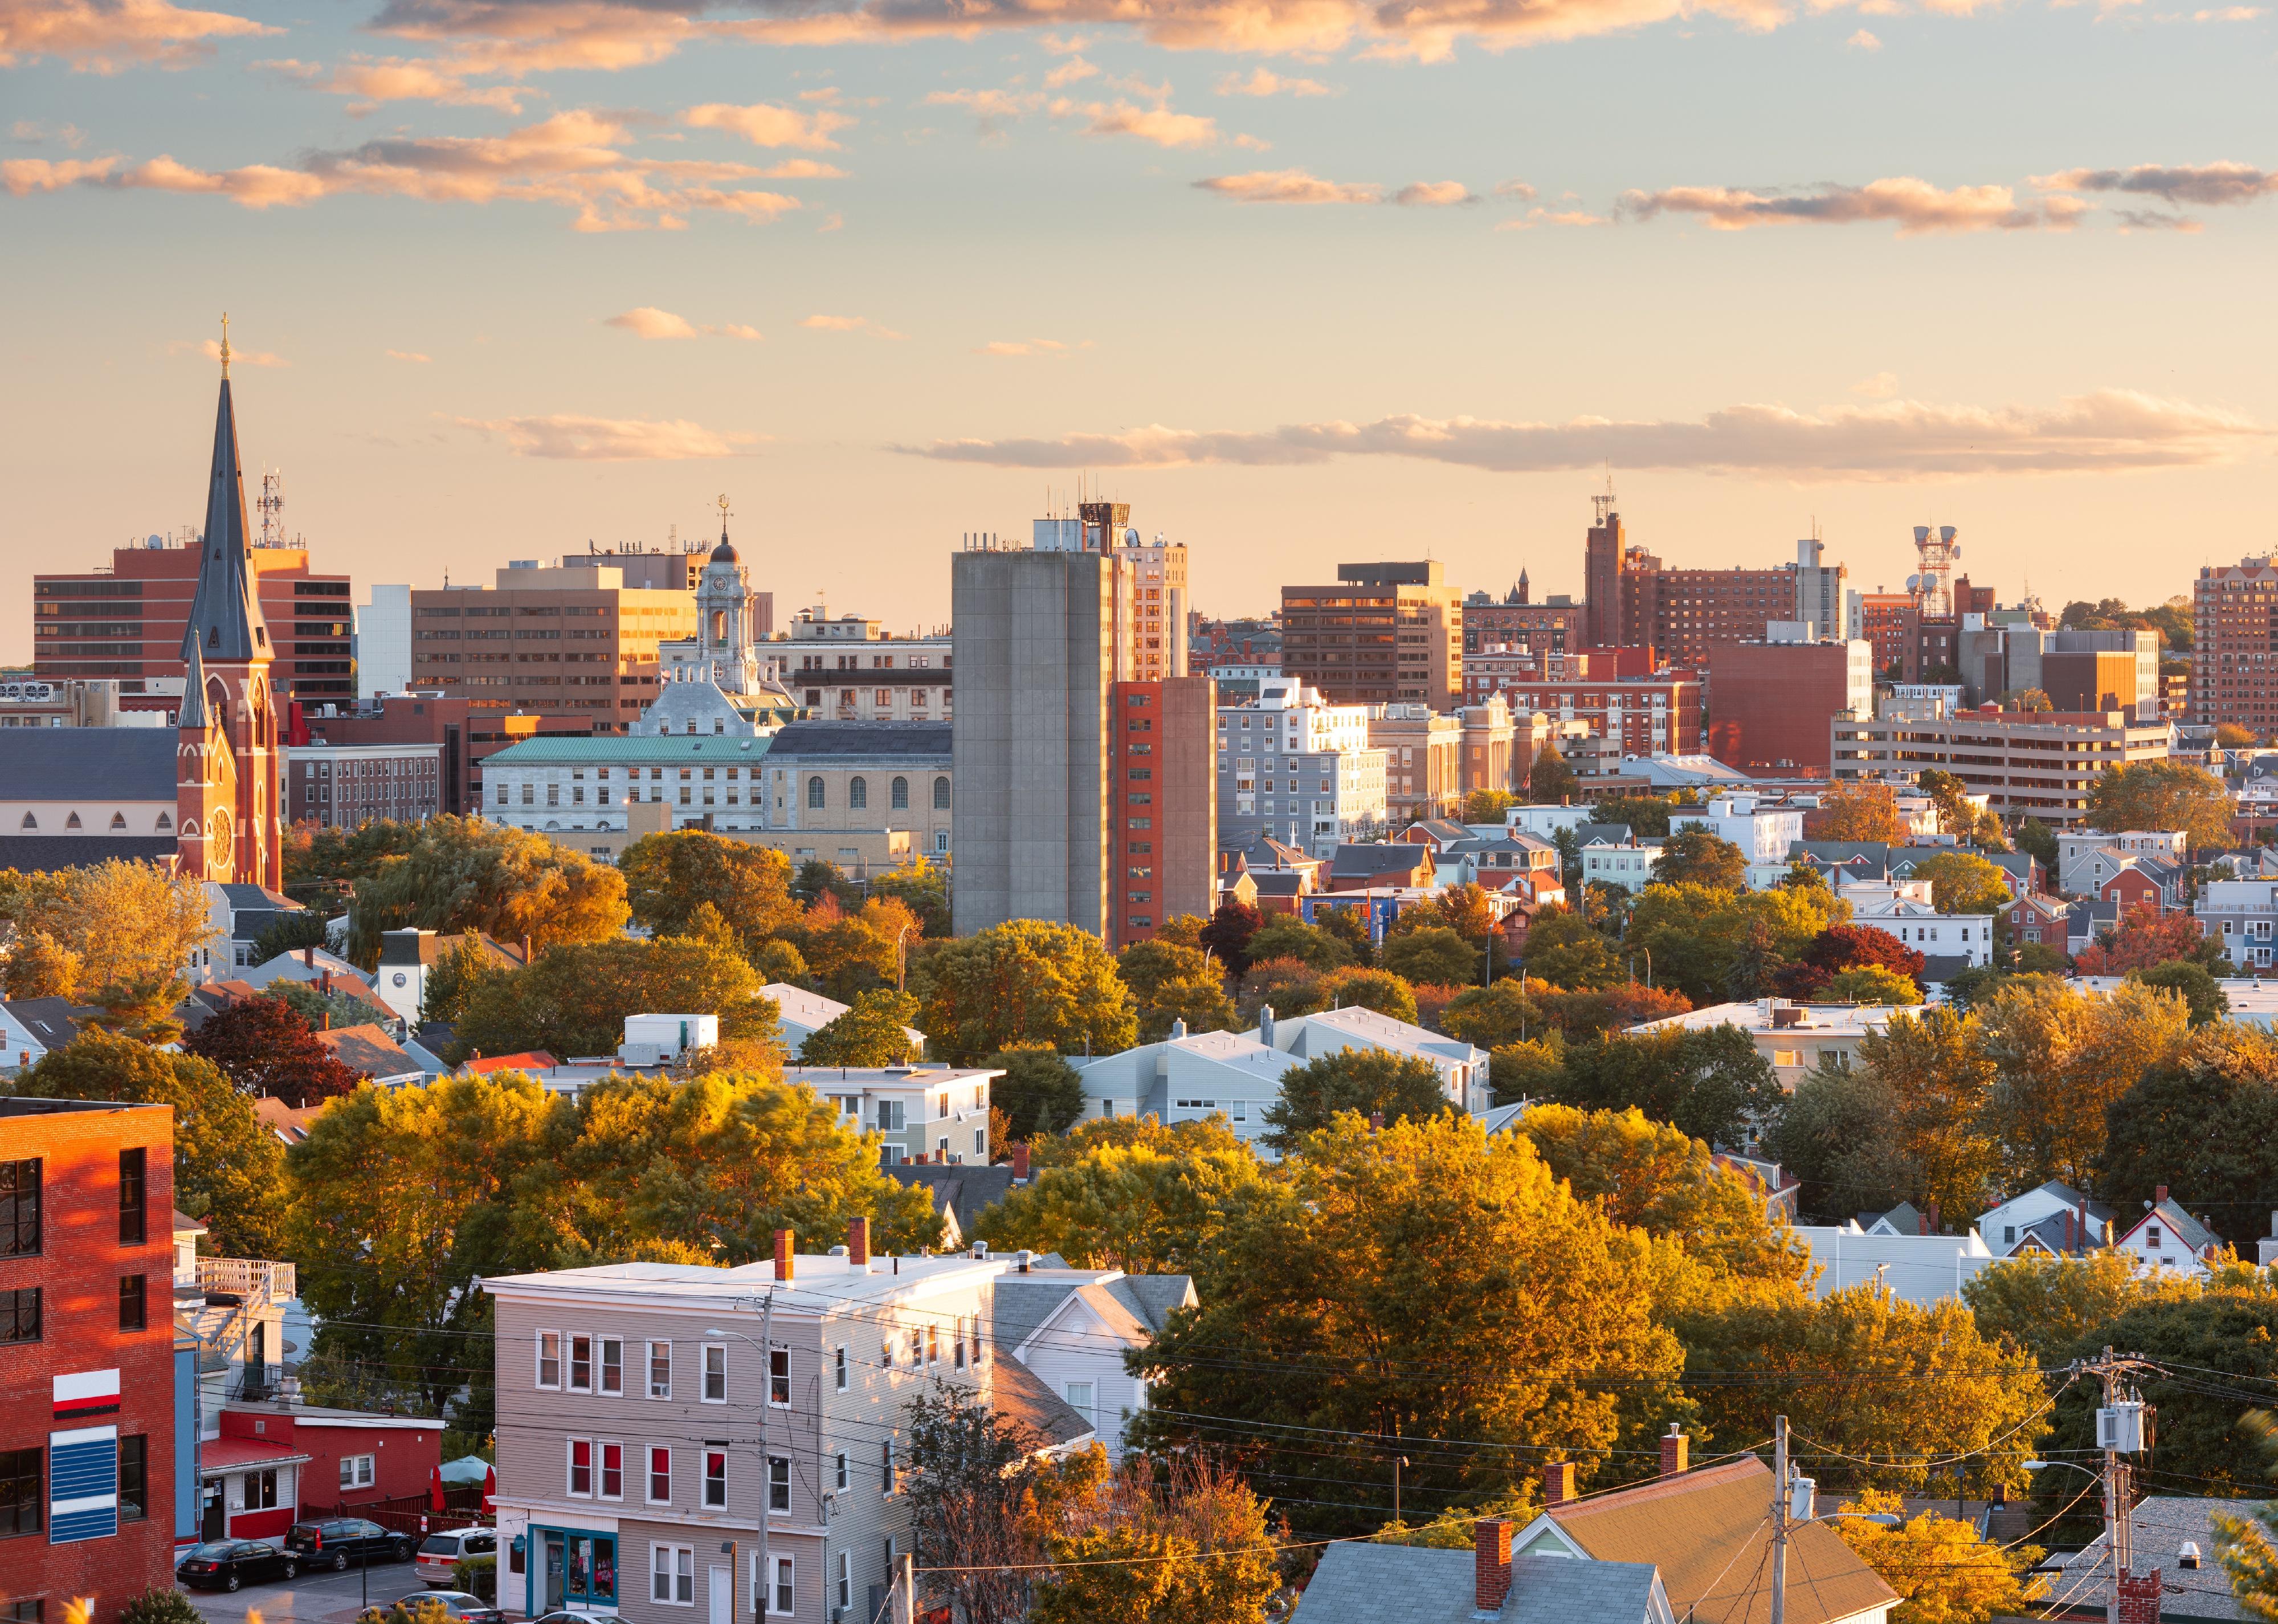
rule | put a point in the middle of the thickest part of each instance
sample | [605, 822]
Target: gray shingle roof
[1021, 1395]
[962, 1191]
[1151, 1298]
[1393, 857]
[48, 1019]
[1608, 834]
[1362, 1583]
[814, 740]
[46, 854]
[89, 764]
[1023, 1303]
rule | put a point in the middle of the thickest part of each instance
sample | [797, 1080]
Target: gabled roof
[2187, 1230]
[2064, 1195]
[1439, 830]
[964, 1193]
[1390, 857]
[371, 1051]
[1604, 834]
[1904, 1219]
[1273, 883]
[289, 1123]
[1019, 1394]
[1360, 1582]
[90, 766]
[432, 946]
[1940, 967]
[1702, 1529]
[525, 1060]
[50, 1020]
[1153, 1298]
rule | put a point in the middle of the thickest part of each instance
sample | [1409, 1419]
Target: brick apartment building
[2235, 646]
[1516, 621]
[1163, 803]
[1770, 701]
[445, 723]
[1635, 601]
[339, 786]
[1381, 632]
[562, 641]
[88, 1478]
[126, 622]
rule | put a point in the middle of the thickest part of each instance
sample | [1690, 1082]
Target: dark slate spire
[193, 712]
[225, 614]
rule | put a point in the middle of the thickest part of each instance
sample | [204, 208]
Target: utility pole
[2120, 1431]
[766, 1468]
[1780, 1520]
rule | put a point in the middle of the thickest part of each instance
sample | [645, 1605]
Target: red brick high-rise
[2235, 646]
[1163, 801]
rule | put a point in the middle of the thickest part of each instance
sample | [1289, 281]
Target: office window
[19, 1490]
[659, 1370]
[715, 1475]
[581, 1468]
[778, 1483]
[613, 1365]
[672, 1574]
[550, 1359]
[134, 1478]
[131, 1168]
[715, 1373]
[783, 1595]
[779, 1377]
[132, 1313]
[613, 1471]
[19, 1208]
[581, 1364]
[659, 1475]
[838, 1375]
[19, 1315]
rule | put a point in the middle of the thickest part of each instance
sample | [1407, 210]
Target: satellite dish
[155, 542]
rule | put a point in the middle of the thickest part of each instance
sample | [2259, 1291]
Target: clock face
[217, 839]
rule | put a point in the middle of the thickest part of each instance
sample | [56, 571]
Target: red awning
[216, 1456]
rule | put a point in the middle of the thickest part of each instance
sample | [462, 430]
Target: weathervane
[724, 515]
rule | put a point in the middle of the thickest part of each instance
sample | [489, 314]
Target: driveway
[320, 1597]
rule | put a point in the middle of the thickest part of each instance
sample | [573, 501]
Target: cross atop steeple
[224, 343]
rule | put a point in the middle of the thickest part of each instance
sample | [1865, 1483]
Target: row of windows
[579, 1362]
[23, 1500]
[22, 1204]
[595, 1470]
[858, 793]
[672, 1579]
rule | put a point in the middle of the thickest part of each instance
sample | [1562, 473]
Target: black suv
[225, 1564]
[338, 1542]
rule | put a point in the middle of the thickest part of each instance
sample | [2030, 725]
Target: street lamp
[1398, 1461]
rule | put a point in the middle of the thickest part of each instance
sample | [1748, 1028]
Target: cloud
[1881, 386]
[572, 160]
[239, 356]
[1863, 41]
[607, 440]
[765, 125]
[30, 132]
[736, 330]
[2229, 13]
[1261, 81]
[992, 109]
[2107, 430]
[2145, 219]
[2212, 185]
[1062, 45]
[1159, 125]
[409, 355]
[648, 322]
[801, 169]
[98, 38]
[1433, 195]
[1533, 217]
[1069, 72]
[1031, 346]
[1515, 188]
[1914, 206]
[851, 324]
[1289, 185]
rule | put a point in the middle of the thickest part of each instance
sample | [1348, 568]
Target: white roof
[1240, 1051]
[812, 1010]
[1818, 1020]
[1367, 1026]
[819, 1284]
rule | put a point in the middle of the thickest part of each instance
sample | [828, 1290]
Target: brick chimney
[1020, 1164]
[1557, 1482]
[1930, 1218]
[1676, 1452]
[784, 1256]
[2139, 1598]
[309, 957]
[1376, 1122]
[1490, 1562]
[858, 1243]
[2158, 1194]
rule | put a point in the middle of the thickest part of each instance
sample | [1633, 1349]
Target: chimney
[784, 1255]
[1265, 1024]
[1020, 1169]
[326, 981]
[1930, 1219]
[1490, 1562]
[1025, 1258]
[325, 1021]
[309, 957]
[1676, 1452]
[1376, 1122]
[1178, 1027]
[1557, 1482]
[525, 947]
[2069, 1221]
[2158, 1194]
[858, 1243]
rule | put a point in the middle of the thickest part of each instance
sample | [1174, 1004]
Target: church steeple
[193, 712]
[225, 620]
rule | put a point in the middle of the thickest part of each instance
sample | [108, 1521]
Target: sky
[1301, 280]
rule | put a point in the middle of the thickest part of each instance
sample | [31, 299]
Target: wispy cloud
[1863, 41]
[373, 82]
[2108, 431]
[1264, 81]
[1881, 386]
[1533, 217]
[409, 355]
[1289, 185]
[31, 133]
[1914, 206]
[608, 440]
[766, 126]
[1158, 124]
[647, 321]
[1433, 195]
[1050, 347]
[851, 324]
[2212, 185]
[1069, 72]
[95, 37]
[239, 356]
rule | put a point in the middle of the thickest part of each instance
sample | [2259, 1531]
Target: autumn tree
[1487, 805]
[668, 876]
[2062, 1058]
[1026, 980]
[1941, 1083]
[1870, 984]
[851, 948]
[1435, 953]
[1370, 1082]
[1287, 937]
[1493, 1016]
[873, 1031]
[2145, 937]
[1833, 1135]
[1288, 987]
[1563, 948]
[2204, 1122]
[227, 1165]
[1856, 812]
[1697, 857]
[1186, 1542]
[2047, 1304]
[467, 874]
[1841, 948]
[1717, 945]
[1151, 1205]
[1550, 782]
[1964, 883]
[267, 1047]
[1039, 1094]
[1228, 932]
[1945, 1571]
[1380, 990]
[921, 888]
[1711, 1083]
[119, 934]
[1593, 1012]
[574, 999]
[1361, 1291]
[972, 1476]
[2164, 794]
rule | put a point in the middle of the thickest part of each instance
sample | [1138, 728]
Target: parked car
[439, 1553]
[225, 1564]
[579, 1618]
[428, 1606]
[339, 1542]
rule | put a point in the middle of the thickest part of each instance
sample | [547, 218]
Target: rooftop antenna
[272, 508]
[1605, 504]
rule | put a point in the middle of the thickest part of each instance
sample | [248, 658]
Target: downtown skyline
[1298, 285]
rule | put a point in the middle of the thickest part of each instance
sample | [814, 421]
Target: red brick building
[1634, 601]
[2234, 637]
[1886, 622]
[87, 1354]
[419, 719]
[1770, 702]
[1163, 777]
[1660, 713]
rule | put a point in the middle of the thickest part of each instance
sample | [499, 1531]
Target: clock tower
[228, 776]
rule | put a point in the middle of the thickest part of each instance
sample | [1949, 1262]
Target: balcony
[254, 1280]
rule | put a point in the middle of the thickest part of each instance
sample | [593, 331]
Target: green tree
[1710, 1083]
[228, 1166]
[1027, 980]
[466, 874]
[1696, 857]
[1487, 805]
[1550, 782]
[1435, 955]
[1039, 1094]
[1171, 983]
[2062, 1058]
[1871, 984]
[459, 968]
[1380, 990]
[1142, 1207]
[1363, 1081]
[1286, 936]
[2201, 994]
[1941, 1082]
[872, 1032]
[1348, 926]
[1562, 948]
[1646, 816]
[574, 999]
[669, 876]
[2038, 840]
[2204, 1122]
[2164, 794]
[1833, 1136]
[1704, 942]
[2046, 1305]
[1491, 1017]
[1531, 1068]
[921, 888]
[1361, 1290]
[324, 865]
[305, 927]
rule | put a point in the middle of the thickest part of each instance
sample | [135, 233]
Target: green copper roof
[570, 752]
